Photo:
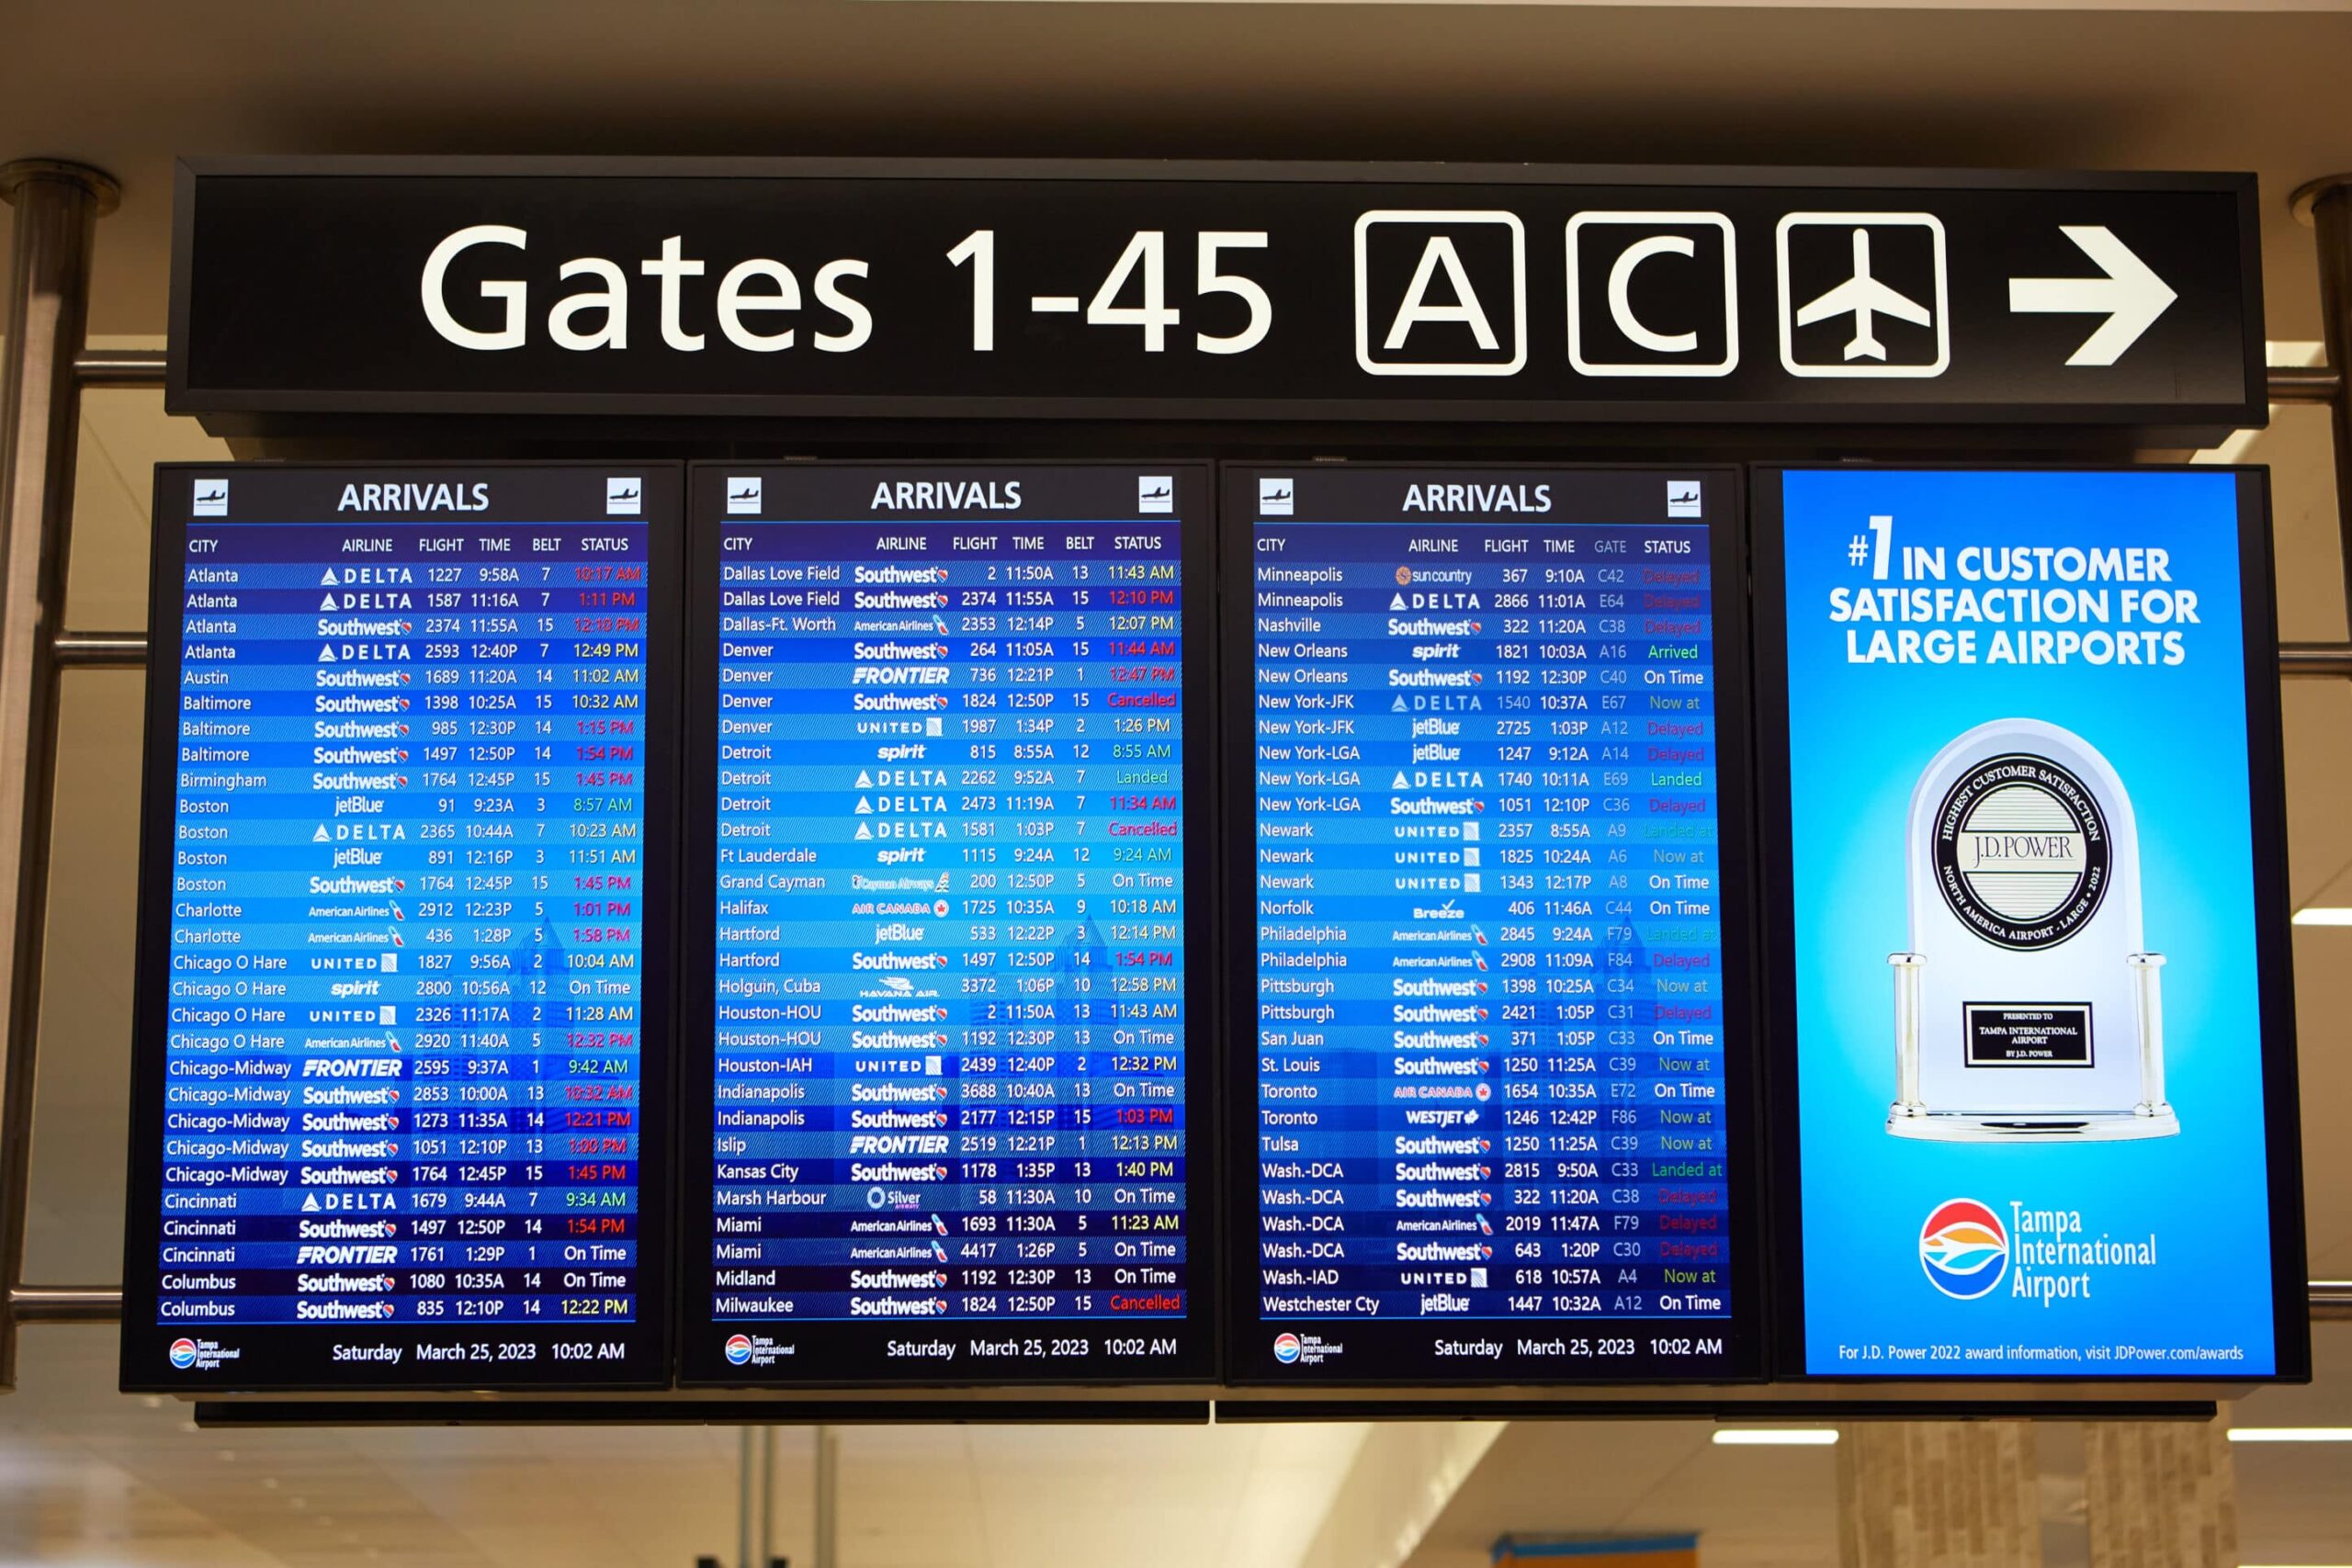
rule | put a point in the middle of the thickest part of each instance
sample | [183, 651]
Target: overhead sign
[2037, 1041]
[1191, 291]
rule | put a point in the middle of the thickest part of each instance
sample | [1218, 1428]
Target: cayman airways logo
[1963, 1248]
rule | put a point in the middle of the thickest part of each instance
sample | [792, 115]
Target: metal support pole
[144, 368]
[745, 1443]
[2305, 383]
[767, 1497]
[829, 1495]
[58, 206]
[2326, 206]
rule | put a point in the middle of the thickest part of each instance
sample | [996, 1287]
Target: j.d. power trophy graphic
[2028, 1005]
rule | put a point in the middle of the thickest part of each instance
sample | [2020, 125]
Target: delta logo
[738, 1349]
[1964, 1249]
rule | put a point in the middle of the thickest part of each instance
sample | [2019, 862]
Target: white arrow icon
[2130, 296]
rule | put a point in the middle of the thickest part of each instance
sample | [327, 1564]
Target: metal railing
[47, 368]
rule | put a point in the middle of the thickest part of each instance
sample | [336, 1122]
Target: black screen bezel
[853, 1354]
[1390, 1364]
[2274, 979]
[291, 1358]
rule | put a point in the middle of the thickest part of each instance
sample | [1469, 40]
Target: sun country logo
[1963, 1248]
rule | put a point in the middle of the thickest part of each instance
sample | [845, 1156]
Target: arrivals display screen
[951, 904]
[402, 1072]
[1490, 1099]
[2035, 1033]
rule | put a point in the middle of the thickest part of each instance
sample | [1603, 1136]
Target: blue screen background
[1860, 735]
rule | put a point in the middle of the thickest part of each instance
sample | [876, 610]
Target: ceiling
[88, 1477]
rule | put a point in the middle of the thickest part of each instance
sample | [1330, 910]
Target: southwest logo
[1286, 1349]
[738, 1349]
[183, 1353]
[1963, 1248]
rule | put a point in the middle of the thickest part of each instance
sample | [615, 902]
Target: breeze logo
[1963, 1248]
[1440, 293]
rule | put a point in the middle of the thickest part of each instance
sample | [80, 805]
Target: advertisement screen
[1490, 1098]
[946, 1127]
[401, 1082]
[2033, 1036]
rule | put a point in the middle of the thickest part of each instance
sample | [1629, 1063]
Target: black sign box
[1129, 291]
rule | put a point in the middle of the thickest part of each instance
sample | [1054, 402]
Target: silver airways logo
[2021, 852]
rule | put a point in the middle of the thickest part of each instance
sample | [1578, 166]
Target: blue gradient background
[1860, 735]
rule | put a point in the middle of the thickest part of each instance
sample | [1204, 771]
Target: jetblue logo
[1440, 293]
[1653, 294]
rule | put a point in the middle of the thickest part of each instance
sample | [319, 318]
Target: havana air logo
[1964, 1249]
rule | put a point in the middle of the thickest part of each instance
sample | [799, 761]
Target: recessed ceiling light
[2290, 1434]
[2323, 915]
[1776, 1437]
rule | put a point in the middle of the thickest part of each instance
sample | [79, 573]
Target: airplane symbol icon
[745, 495]
[1683, 498]
[1863, 296]
[214, 495]
[1810, 241]
[1277, 496]
[624, 495]
[1155, 494]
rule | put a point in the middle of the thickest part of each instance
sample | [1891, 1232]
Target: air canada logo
[2021, 852]
[1963, 1248]
[183, 1353]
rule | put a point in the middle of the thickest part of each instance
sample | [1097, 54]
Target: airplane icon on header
[1863, 296]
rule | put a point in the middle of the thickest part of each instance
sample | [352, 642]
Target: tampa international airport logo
[738, 1349]
[2021, 852]
[1963, 1248]
[183, 1353]
[1286, 1349]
